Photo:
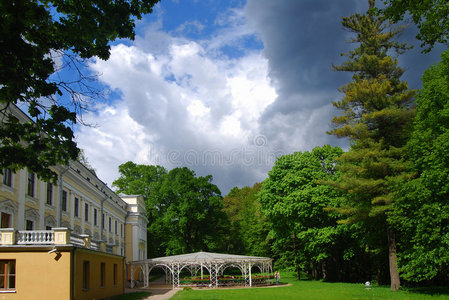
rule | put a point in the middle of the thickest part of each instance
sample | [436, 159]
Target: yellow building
[68, 240]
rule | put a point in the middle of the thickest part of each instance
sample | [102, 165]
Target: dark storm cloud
[236, 131]
[302, 40]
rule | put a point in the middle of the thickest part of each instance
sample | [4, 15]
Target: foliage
[423, 209]
[431, 17]
[188, 213]
[294, 203]
[34, 36]
[248, 230]
[377, 120]
[227, 280]
[138, 179]
[185, 211]
[82, 158]
[24, 144]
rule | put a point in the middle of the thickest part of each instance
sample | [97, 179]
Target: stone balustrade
[56, 236]
[35, 237]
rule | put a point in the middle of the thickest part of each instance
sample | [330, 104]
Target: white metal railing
[28, 237]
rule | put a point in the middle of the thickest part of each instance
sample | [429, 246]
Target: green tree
[185, 211]
[376, 119]
[423, 210]
[138, 179]
[248, 230]
[431, 17]
[33, 34]
[294, 203]
[188, 214]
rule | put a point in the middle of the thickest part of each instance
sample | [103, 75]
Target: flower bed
[225, 280]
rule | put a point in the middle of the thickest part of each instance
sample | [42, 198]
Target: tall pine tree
[376, 118]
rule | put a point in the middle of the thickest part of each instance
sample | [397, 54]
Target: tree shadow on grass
[429, 290]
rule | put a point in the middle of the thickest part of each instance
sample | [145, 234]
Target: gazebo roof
[205, 258]
[215, 263]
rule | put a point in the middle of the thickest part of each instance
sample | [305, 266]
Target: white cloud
[177, 106]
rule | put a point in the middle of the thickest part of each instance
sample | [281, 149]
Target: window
[110, 224]
[77, 204]
[86, 274]
[7, 274]
[86, 212]
[49, 193]
[121, 230]
[29, 225]
[102, 274]
[6, 220]
[64, 200]
[95, 216]
[115, 225]
[115, 274]
[31, 177]
[7, 177]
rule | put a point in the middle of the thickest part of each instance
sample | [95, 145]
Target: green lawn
[313, 290]
[131, 296]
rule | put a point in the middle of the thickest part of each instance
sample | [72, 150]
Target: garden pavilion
[214, 263]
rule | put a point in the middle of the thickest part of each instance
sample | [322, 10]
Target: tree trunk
[295, 251]
[324, 269]
[392, 258]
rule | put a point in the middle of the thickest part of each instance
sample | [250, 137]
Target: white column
[21, 192]
[71, 208]
[135, 240]
[57, 203]
[42, 201]
[91, 218]
[106, 226]
[81, 213]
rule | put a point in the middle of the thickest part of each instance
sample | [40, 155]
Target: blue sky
[225, 87]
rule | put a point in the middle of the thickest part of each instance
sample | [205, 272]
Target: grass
[311, 290]
[131, 296]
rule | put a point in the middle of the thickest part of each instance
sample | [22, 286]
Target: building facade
[77, 233]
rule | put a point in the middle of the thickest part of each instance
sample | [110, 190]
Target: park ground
[291, 288]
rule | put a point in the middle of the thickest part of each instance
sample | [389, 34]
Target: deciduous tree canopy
[422, 211]
[185, 211]
[431, 17]
[293, 202]
[248, 233]
[33, 36]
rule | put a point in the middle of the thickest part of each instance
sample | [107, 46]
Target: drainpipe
[61, 192]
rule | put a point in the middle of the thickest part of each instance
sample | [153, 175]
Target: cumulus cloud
[216, 104]
[184, 106]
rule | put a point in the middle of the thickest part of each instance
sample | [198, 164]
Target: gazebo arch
[215, 263]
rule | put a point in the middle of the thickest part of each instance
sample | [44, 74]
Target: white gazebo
[214, 263]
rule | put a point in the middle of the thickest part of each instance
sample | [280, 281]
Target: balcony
[56, 236]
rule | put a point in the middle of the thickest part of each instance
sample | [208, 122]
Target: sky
[225, 87]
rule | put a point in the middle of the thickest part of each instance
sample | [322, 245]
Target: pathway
[158, 289]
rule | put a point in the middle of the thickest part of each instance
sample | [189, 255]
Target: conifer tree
[376, 118]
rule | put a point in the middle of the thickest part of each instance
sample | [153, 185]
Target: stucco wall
[39, 275]
[95, 291]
